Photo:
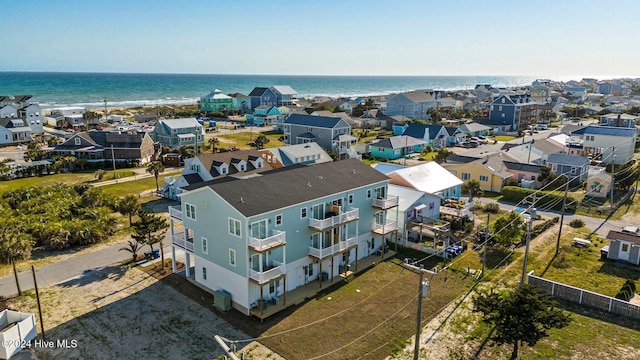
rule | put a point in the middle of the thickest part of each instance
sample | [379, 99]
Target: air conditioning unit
[222, 300]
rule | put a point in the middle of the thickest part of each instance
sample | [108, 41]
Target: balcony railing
[388, 203]
[385, 228]
[178, 240]
[333, 249]
[345, 217]
[272, 272]
[277, 239]
[175, 212]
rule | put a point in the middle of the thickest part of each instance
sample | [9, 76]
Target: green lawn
[504, 138]
[241, 139]
[65, 178]
[429, 156]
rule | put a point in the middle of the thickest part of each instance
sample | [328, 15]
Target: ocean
[120, 89]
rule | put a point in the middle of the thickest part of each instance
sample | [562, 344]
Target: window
[205, 246]
[500, 108]
[625, 247]
[350, 198]
[303, 213]
[78, 141]
[232, 257]
[502, 115]
[484, 178]
[465, 176]
[204, 273]
[278, 219]
[190, 211]
[309, 129]
[369, 194]
[573, 170]
[272, 287]
[234, 227]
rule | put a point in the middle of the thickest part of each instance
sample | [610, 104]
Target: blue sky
[560, 39]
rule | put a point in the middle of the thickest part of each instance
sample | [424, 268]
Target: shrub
[576, 223]
[630, 284]
[627, 291]
[492, 208]
[546, 199]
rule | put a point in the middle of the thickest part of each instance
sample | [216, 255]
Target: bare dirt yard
[121, 312]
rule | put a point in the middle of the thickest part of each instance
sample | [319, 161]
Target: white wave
[125, 103]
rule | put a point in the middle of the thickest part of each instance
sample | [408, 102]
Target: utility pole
[613, 158]
[532, 215]
[423, 288]
[113, 160]
[564, 203]
[221, 341]
[35, 284]
[486, 243]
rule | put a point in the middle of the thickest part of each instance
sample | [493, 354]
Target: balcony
[268, 274]
[387, 227]
[388, 203]
[333, 249]
[175, 212]
[336, 220]
[178, 240]
[277, 239]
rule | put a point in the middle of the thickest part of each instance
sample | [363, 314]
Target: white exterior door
[623, 254]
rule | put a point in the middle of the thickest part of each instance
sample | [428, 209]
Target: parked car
[542, 127]
[483, 140]
[470, 144]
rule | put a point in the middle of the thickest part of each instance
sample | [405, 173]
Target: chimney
[618, 121]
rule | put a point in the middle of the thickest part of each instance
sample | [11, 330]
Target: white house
[607, 143]
[412, 204]
[430, 178]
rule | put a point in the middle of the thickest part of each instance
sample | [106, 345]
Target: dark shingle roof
[522, 167]
[610, 131]
[565, 159]
[265, 193]
[258, 91]
[209, 161]
[193, 179]
[619, 235]
[311, 120]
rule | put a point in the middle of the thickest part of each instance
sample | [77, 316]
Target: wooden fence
[584, 297]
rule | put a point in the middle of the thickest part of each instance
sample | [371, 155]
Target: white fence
[584, 297]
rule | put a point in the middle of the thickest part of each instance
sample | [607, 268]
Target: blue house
[396, 147]
[455, 136]
[571, 166]
[285, 95]
[331, 133]
[433, 135]
[262, 96]
[265, 115]
[514, 110]
[254, 240]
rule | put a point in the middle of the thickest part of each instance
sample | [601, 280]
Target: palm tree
[473, 188]
[155, 168]
[14, 246]
[99, 174]
[82, 163]
[213, 142]
[129, 206]
[134, 247]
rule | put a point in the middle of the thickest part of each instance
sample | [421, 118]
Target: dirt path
[123, 313]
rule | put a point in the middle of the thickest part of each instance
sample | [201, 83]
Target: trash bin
[156, 253]
[148, 256]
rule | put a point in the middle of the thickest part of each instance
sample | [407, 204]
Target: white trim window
[205, 246]
[234, 227]
[350, 199]
[484, 178]
[279, 220]
[204, 273]
[303, 213]
[465, 176]
[232, 257]
[368, 193]
[190, 211]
